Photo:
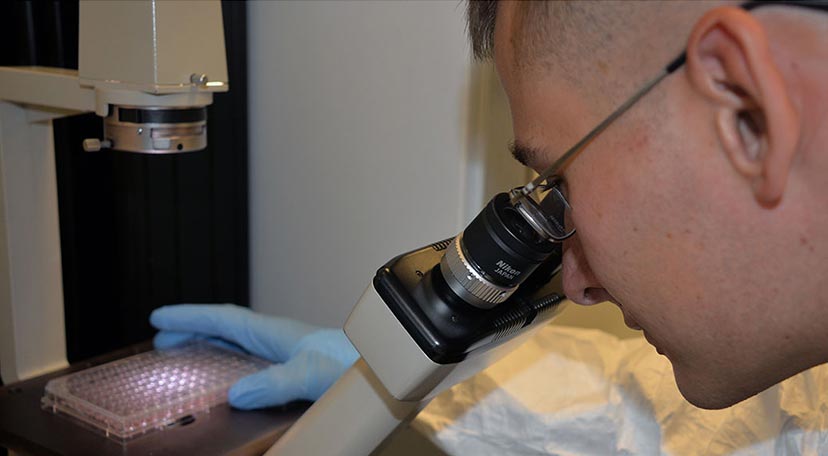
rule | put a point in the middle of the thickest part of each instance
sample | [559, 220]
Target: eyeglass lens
[556, 208]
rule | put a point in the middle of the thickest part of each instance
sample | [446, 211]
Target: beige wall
[372, 132]
[358, 132]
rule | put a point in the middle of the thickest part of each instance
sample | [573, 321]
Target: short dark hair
[588, 43]
[537, 37]
[559, 34]
[480, 25]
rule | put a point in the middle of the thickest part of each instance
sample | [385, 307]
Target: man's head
[703, 211]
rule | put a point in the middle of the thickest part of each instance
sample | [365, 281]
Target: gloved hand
[308, 359]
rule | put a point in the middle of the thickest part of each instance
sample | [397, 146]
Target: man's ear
[729, 62]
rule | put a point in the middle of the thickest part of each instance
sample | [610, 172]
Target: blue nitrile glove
[309, 359]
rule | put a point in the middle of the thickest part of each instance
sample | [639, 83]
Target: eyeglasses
[542, 202]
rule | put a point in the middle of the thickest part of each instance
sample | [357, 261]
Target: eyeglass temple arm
[531, 186]
[673, 66]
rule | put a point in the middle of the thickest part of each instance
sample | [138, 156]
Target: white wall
[360, 140]
[371, 133]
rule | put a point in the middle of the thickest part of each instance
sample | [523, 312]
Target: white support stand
[32, 333]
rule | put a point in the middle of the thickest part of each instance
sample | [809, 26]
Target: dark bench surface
[26, 428]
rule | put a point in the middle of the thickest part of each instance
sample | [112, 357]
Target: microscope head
[154, 66]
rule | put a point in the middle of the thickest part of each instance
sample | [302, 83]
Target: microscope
[149, 69]
[438, 315]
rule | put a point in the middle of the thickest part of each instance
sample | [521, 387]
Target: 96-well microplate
[151, 390]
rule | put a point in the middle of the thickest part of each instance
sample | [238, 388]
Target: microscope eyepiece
[494, 255]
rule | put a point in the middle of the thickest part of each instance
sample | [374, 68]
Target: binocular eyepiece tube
[496, 252]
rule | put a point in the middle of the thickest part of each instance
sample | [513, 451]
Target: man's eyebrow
[526, 155]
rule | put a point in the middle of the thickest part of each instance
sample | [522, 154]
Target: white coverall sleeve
[572, 391]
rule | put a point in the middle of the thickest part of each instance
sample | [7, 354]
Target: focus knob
[95, 145]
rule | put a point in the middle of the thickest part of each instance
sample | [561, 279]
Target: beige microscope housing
[149, 68]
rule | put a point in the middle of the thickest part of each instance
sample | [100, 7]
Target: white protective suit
[571, 391]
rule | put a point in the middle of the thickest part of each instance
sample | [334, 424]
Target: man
[701, 211]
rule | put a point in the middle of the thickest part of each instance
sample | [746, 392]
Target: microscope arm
[393, 379]
[432, 318]
[353, 418]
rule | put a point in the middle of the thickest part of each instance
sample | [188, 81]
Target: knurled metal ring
[466, 282]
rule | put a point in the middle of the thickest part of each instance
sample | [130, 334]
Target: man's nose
[579, 282]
